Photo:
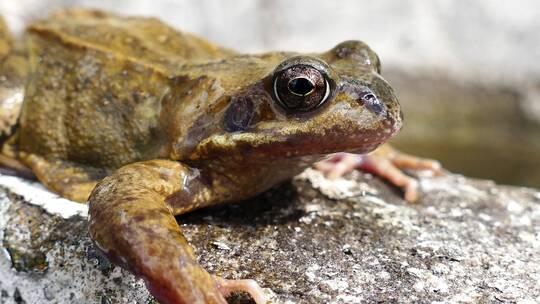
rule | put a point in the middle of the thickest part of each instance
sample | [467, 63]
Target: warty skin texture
[147, 122]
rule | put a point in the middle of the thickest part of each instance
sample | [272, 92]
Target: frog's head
[307, 105]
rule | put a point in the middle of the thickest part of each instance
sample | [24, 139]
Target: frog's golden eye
[300, 87]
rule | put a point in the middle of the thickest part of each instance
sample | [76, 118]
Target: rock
[308, 241]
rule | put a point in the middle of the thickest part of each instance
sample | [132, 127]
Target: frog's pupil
[301, 86]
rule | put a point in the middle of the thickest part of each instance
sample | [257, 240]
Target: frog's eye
[300, 87]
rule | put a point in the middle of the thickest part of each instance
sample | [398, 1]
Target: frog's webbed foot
[132, 221]
[226, 287]
[385, 162]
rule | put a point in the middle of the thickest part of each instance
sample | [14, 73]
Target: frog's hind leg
[132, 221]
[12, 166]
[69, 180]
[6, 40]
[13, 75]
[13, 72]
[11, 100]
[10, 108]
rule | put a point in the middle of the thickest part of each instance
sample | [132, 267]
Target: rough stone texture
[309, 241]
[48, 259]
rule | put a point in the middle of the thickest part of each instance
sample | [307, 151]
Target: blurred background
[467, 72]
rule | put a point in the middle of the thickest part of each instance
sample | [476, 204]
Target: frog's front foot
[385, 162]
[226, 287]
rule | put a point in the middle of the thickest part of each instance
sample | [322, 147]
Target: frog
[144, 122]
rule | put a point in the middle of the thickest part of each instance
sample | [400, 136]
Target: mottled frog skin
[145, 122]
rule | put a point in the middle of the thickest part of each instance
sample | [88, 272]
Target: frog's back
[147, 40]
[96, 85]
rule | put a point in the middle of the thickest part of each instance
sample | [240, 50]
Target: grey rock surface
[309, 241]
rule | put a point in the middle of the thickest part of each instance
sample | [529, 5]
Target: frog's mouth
[267, 147]
[316, 146]
[323, 140]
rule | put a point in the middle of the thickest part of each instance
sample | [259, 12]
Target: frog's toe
[226, 287]
[338, 164]
[386, 168]
[411, 189]
[406, 161]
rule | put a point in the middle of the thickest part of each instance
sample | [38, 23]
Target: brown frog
[145, 123]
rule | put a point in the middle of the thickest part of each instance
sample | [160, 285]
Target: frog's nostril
[371, 102]
[364, 96]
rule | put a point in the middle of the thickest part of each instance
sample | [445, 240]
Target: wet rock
[308, 241]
